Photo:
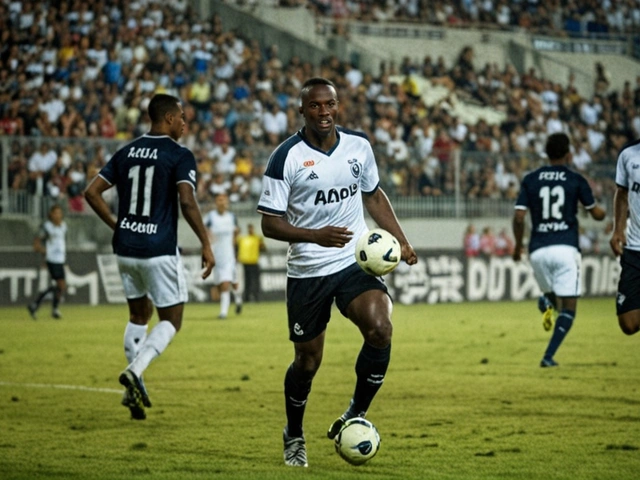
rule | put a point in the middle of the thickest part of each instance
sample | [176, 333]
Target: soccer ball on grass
[358, 441]
[378, 252]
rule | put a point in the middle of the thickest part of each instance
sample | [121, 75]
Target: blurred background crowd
[87, 69]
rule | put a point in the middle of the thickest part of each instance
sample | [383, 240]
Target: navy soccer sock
[563, 325]
[371, 368]
[296, 391]
[44, 294]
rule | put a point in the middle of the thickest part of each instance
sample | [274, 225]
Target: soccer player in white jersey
[551, 194]
[314, 188]
[152, 174]
[625, 239]
[51, 241]
[223, 231]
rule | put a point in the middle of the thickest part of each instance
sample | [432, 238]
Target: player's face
[177, 123]
[320, 109]
[56, 216]
[222, 202]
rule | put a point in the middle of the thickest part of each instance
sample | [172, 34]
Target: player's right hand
[617, 243]
[333, 236]
[208, 262]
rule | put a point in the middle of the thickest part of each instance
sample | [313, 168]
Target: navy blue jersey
[146, 173]
[552, 194]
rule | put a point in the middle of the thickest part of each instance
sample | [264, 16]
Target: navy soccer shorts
[309, 300]
[628, 297]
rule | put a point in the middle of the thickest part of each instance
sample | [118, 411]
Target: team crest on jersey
[356, 168]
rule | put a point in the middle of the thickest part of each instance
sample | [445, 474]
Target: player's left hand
[409, 254]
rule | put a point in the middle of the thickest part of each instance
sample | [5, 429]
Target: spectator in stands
[471, 241]
[487, 242]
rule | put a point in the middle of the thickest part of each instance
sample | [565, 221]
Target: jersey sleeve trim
[103, 177]
[375, 189]
[520, 207]
[270, 211]
[622, 186]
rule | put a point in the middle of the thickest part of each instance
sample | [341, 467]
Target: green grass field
[464, 397]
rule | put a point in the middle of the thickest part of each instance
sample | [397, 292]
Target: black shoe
[135, 387]
[33, 308]
[238, 308]
[137, 410]
[56, 314]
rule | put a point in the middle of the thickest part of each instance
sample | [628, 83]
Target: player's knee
[628, 326]
[307, 365]
[379, 333]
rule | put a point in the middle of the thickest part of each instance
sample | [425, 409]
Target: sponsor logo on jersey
[334, 195]
[137, 152]
[356, 168]
[308, 163]
[552, 227]
[313, 176]
[635, 187]
[635, 166]
[139, 227]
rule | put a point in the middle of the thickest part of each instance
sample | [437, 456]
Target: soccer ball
[378, 252]
[358, 441]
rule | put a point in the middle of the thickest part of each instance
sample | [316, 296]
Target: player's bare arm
[93, 195]
[191, 212]
[279, 229]
[380, 209]
[518, 233]
[620, 212]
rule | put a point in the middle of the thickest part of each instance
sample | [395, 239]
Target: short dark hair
[312, 82]
[160, 105]
[557, 145]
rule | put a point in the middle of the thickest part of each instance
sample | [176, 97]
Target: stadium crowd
[86, 71]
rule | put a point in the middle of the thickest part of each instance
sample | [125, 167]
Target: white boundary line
[60, 387]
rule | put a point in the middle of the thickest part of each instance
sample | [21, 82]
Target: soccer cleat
[56, 314]
[548, 362]
[547, 319]
[338, 424]
[137, 410]
[238, 308]
[135, 387]
[295, 450]
[222, 317]
[548, 314]
[33, 308]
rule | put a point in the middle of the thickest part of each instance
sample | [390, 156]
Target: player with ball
[314, 188]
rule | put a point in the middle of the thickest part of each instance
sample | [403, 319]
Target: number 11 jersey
[146, 173]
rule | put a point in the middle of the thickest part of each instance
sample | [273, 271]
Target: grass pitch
[464, 397]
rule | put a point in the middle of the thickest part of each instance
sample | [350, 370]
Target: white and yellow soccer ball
[378, 252]
[358, 441]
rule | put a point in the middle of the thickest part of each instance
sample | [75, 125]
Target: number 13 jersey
[146, 173]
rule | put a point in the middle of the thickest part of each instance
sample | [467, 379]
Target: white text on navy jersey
[139, 227]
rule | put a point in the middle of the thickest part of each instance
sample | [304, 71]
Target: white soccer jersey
[314, 189]
[628, 176]
[55, 241]
[223, 227]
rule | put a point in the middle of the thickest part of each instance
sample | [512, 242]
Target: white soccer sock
[134, 337]
[225, 300]
[237, 298]
[156, 343]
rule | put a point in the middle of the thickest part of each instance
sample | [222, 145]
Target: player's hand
[333, 236]
[617, 243]
[409, 254]
[208, 262]
[517, 254]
